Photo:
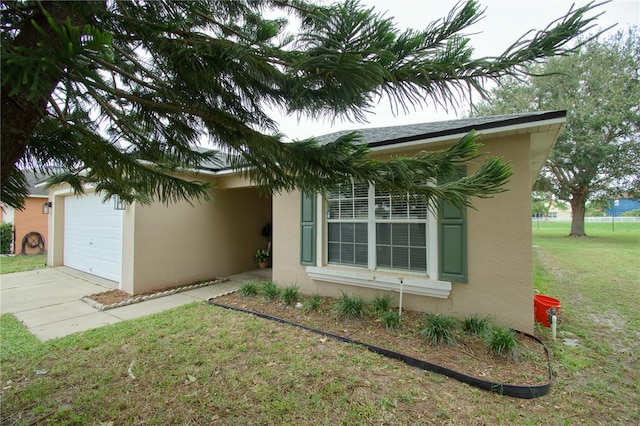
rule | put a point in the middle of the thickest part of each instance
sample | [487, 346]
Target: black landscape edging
[516, 391]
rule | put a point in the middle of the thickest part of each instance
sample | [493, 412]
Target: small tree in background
[540, 204]
[6, 237]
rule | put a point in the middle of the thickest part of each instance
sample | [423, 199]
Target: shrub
[270, 290]
[390, 319]
[6, 236]
[502, 341]
[290, 295]
[249, 288]
[312, 304]
[476, 325]
[381, 304]
[438, 329]
[350, 307]
[631, 213]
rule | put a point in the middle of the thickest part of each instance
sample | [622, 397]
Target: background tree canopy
[117, 94]
[597, 155]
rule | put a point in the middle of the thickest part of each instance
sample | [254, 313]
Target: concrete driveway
[47, 301]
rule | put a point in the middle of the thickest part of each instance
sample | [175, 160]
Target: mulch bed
[469, 355]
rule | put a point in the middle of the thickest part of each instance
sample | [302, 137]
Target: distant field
[591, 228]
[597, 280]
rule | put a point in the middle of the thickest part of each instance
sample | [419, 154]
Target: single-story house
[619, 206]
[357, 241]
[30, 225]
[558, 212]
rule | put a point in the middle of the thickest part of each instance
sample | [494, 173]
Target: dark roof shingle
[382, 136]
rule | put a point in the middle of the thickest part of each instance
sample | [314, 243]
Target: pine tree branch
[139, 66]
[111, 67]
[277, 167]
[163, 73]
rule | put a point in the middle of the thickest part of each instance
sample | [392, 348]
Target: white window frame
[411, 282]
[430, 228]
[353, 220]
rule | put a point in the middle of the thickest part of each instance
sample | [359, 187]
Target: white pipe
[400, 303]
[554, 325]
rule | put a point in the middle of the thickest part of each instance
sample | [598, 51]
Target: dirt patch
[469, 355]
[116, 298]
[609, 321]
[110, 297]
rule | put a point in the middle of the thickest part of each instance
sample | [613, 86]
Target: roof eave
[544, 131]
[520, 124]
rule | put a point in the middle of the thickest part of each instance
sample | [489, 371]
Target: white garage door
[93, 236]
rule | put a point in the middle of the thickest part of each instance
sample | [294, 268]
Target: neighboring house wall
[556, 213]
[500, 267]
[28, 220]
[618, 207]
[559, 215]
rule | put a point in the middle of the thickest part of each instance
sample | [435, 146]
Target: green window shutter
[308, 229]
[452, 242]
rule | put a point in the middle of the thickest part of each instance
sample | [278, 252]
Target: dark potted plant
[262, 257]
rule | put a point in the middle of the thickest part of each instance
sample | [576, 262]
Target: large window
[347, 218]
[369, 228]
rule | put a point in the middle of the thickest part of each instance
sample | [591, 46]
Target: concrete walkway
[47, 301]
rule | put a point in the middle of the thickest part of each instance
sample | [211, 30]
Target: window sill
[411, 283]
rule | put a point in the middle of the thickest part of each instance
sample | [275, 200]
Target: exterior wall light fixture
[118, 204]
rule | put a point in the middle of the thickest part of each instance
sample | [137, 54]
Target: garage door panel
[93, 237]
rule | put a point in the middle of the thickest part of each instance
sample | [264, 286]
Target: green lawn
[19, 263]
[198, 364]
[597, 280]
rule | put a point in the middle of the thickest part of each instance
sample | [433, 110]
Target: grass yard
[199, 364]
[597, 280]
[20, 263]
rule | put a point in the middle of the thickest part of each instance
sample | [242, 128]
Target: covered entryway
[93, 236]
[149, 247]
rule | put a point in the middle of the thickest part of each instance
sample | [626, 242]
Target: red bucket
[541, 307]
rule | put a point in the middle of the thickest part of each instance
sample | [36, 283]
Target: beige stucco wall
[55, 253]
[499, 250]
[500, 246]
[164, 246]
